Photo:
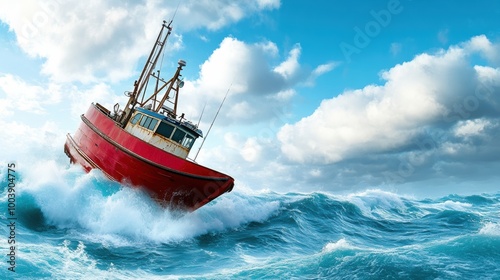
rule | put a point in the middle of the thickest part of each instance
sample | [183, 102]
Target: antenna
[172, 20]
[216, 114]
[203, 110]
[178, 4]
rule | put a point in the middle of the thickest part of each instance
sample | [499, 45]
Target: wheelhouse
[163, 131]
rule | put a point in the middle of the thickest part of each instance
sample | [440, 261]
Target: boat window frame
[187, 140]
[148, 122]
[136, 117]
[153, 124]
[178, 139]
[166, 124]
[188, 144]
[143, 120]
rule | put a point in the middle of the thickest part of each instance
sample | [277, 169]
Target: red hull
[101, 143]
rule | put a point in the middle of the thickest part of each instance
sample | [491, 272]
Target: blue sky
[333, 96]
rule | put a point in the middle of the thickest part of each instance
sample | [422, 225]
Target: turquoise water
[72, 225]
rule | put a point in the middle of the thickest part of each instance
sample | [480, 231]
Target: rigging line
[216, 114]
[161, 62]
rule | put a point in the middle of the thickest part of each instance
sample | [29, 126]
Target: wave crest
[68, 198]
[490, 229]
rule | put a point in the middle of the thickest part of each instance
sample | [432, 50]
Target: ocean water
[72, 225]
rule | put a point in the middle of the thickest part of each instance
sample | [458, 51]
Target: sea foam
[490, 229]
[69, 198]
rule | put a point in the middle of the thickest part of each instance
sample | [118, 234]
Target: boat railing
[103, 109]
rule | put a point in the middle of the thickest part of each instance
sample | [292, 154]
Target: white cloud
[217, 14]
[251, 150]
[268, 3]
[485, 47]
[247, 67]
[18, 96]
[21, 96]
[290, 67]
[471, 127]
[417, 95]
[102, 40]
[284, 95]
[259, 82]
[250, 160]
[315, 172]
[80, 99]
[324, 68]
[81, 41]
[242, 111]
[320, 70]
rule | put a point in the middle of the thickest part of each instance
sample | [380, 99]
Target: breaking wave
[76, 225]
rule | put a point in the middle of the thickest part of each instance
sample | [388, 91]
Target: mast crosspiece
[141, 84]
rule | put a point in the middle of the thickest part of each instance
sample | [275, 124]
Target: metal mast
[141, 84]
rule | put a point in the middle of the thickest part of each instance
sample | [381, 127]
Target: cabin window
[153, 124]
[188, 141]
[143, 121]
[148, 123]
[136, 118]
[165, 129]
[178, 135]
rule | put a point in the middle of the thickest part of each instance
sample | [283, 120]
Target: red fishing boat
[147, 143]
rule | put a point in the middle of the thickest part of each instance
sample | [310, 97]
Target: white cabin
[171, 135]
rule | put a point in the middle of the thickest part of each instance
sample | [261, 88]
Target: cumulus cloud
[484, 47]
[258, 79]
[102, 40]
[250, 160]
[430, 92]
